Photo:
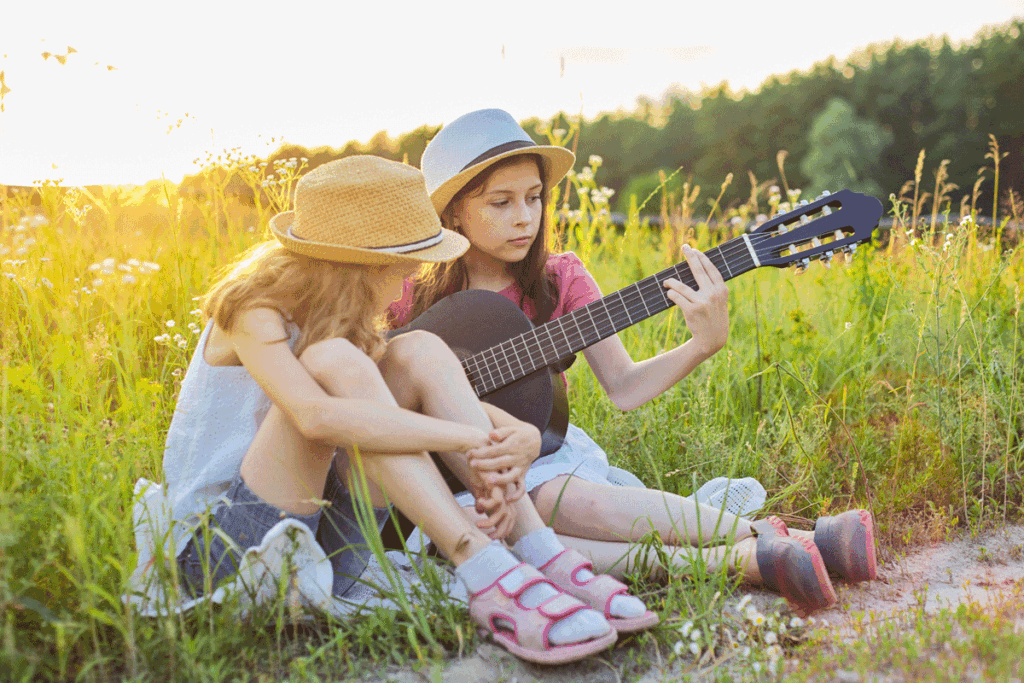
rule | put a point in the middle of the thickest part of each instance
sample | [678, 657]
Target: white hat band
[399, 249]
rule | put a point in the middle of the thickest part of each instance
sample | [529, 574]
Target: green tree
[844, 150]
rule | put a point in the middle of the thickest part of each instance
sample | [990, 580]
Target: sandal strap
[598, 591]
[502, 599]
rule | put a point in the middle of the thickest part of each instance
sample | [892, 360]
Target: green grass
[894, 382]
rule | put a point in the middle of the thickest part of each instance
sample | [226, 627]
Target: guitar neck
[554, 341]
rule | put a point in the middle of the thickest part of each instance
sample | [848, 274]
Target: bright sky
[326, 73]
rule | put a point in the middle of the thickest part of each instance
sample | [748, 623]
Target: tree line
[858, 123]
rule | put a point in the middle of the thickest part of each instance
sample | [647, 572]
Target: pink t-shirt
[576, 288]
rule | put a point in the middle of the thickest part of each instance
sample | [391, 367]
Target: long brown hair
[324, 299]
[436, 281]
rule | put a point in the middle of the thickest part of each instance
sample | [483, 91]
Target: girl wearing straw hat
[488, 180]
[294, 394]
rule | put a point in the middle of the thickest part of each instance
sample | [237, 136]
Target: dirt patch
[974, 569]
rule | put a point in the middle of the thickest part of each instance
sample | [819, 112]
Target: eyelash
[504, 202]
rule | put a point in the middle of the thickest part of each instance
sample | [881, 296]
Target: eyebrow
[538, 186]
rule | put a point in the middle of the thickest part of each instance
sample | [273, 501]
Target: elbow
[311, 424]
[624, 401]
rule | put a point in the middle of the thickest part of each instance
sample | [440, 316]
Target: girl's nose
[523, 214]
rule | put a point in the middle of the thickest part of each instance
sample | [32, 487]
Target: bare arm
[259, 342]
[630, 384]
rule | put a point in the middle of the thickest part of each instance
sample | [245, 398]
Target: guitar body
[474, 320]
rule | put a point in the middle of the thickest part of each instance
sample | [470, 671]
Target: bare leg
[601, 512]
[619, 558]
[289, 471]
[425, 376]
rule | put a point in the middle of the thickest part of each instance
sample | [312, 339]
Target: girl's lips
[520, 241]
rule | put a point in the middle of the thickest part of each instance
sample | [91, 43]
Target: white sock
[540, 546]
[481, 570]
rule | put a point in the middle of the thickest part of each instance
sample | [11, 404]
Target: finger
[712, 269]
[503, 529]
[515, 490]
[683, 291]
[699, 264]
[505, 478]
[501, 433]
[494, 464]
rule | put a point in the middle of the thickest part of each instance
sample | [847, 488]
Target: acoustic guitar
[512, 364]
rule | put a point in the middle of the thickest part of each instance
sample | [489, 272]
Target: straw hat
[364, 209]
[477, 140]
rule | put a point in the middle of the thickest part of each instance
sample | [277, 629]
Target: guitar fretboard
[547, 344]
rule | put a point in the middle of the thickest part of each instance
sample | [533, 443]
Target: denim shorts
[246, 518]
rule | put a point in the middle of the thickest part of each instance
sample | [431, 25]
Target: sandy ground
[968, 569]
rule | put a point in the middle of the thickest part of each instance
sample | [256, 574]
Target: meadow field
[893, 381]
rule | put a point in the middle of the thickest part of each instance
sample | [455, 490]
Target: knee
[419, 354]
[412, 348]
[341, 368]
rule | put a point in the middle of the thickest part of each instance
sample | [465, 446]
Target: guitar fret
[520, 351]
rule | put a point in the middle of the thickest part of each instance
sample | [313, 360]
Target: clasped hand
[499, 471]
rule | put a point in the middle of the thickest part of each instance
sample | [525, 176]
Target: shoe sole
[793, 567]
[847, 544]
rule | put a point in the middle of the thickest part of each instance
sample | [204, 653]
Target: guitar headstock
[816, 230]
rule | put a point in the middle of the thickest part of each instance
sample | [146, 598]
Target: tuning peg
[801, 265]
[815, 242]
[826, 259]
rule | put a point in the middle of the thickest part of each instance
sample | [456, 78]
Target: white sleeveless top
[218, 412]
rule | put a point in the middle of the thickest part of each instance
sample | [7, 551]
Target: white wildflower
[128, 279]
[695, 635]
[679, 648]
[94, 267]
[774, 653]
[109, 262]
[695, 649]
[770, 638]
[744, 601]
[686, 628]
[97, 282]
[170, 323]
[196, 312]
[796, 622]
[595, 160]
[47, 283]
[848, 326]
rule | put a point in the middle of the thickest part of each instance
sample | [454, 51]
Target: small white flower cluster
[20, 242]
[128, 269]
[177, 339]
[756, 638]
[948, 242]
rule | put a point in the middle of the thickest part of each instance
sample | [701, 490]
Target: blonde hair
[325, 299]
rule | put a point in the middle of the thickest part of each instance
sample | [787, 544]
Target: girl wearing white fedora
[293, 383]
[489, 181]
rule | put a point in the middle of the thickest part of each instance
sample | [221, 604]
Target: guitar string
[646, 289]
[627, 300]
[522, 342]
[627, 297]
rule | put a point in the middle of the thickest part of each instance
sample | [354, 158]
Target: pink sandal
[528, 637]
[598, 592]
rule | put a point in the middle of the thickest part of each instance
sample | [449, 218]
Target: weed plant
[893, 381]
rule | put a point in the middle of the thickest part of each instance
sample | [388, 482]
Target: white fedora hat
[477, 140]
